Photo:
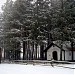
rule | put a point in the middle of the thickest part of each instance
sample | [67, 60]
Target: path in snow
[36, 69]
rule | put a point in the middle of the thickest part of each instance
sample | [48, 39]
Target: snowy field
[35, 69]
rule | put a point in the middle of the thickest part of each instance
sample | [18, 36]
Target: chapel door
[55, 55]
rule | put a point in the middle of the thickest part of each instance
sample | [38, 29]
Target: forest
[29, 26]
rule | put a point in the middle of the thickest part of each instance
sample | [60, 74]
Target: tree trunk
[41, 52]
[32, 50]
[61, 55]
[0, 55]
[36, 51]
[61, 52]
[45, 55]
[72, 50]
[49, 38]
[24, 49]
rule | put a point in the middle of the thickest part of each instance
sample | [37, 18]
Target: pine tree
[9, 31]
[65, 18]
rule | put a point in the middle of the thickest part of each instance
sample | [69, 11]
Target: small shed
[55, 52]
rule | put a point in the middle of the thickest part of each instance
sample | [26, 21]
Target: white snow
[34, 69]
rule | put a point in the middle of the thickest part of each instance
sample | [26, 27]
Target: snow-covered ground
[35, 69]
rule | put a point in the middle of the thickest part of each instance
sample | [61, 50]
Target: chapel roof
[65, 46]
[52, 44]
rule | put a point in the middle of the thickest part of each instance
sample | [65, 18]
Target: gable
[48, 47]
[53, 48]
[52, 44]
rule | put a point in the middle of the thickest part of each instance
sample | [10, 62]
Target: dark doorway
[55, 55]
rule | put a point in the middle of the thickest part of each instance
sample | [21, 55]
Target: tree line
[36, 23]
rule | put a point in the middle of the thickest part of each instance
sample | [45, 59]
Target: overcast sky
[1, 3]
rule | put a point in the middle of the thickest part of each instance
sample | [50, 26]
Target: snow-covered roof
[66, 45]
